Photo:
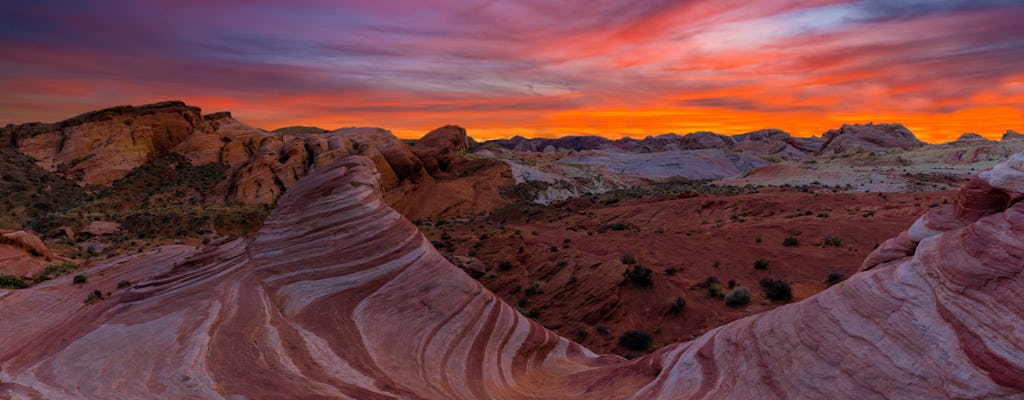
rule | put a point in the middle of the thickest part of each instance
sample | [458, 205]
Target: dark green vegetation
[165, 198]
[55, 270]
[834, 277]
[12, 282]
[30, 192]
[777, 290]
[639, 276]
[635, 340]
[738, 297]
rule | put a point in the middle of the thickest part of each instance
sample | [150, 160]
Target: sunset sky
[532, 68]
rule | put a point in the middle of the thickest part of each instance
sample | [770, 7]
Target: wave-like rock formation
[338, 296]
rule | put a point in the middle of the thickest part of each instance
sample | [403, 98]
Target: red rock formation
[100, 147]
[103, 146]
[439, 148]
[338, 296]
[22, 253]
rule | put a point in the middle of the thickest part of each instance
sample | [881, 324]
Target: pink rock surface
[338, 296]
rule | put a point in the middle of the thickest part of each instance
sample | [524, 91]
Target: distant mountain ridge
[849, 138]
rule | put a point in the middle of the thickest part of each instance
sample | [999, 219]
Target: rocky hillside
[165, 172]
[340, 296]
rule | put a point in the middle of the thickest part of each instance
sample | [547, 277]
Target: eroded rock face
[339, 296]
[102, 146]
[870, 138]
[440, 148]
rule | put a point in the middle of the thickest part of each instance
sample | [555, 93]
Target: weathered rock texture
[338, 296]
[22, 253]
[869, 138]
[100, 147]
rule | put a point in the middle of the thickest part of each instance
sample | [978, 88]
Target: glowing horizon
[498, 68]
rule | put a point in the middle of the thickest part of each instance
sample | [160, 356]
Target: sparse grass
[54, 270]
[790, 241]
[831, 241]
[761, 263]
[12, 282]
[628, 259]
[713, 286]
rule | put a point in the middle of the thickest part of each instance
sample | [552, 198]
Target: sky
[536, 68]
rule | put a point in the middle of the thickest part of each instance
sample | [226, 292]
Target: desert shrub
[628, 259]
[738, 297]
[790, 241]
[123, 284]
[554, 249]
[671, 271]
[831, 241]
[79, 279]
[834, 277]
[54, 270]
[776, 289]
[635, 340]
[618, 226]
[504, 265]
[757, 239]
[677, 306]
[12, 282]
[761, 263]
[713, 286]
[93, 296]
[639, 276]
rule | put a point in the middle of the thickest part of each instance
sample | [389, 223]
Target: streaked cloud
[538, 68]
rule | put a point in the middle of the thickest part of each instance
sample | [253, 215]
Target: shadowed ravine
[339, 296]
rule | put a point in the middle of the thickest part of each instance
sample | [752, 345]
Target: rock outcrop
[777, 143]
[339, 296]
[98, 148]
[102, 146]
[22, 253]
[1012, 135]
[969, 137]
[440, 148]
[869, 138]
